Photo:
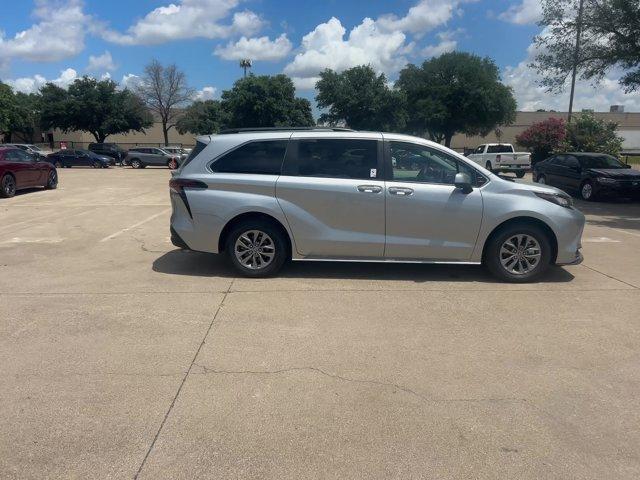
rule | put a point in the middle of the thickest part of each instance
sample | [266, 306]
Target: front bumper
[576, 261]
[621, 189]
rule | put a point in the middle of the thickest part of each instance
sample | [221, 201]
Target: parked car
[590, 175]
[181, 152]
[501, 157]
[68, 158]
[108, 150]
[145, 156]
[19, 170]
[31, 149]
[264, 197]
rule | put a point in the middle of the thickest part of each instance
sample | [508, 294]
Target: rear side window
[499, 149]
[194, 153]
[336, 158]
[263, 157]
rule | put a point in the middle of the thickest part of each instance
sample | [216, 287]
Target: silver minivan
[265, 196]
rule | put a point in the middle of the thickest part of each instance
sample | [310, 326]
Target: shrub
[543, 138]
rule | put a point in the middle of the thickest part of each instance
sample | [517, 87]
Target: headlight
[606, 180]
[558, 199]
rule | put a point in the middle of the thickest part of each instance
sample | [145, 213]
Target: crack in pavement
[208, 371]
[184, 379]
[610, 276]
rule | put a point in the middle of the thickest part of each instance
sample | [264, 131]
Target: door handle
[369, 188]
[401, 191]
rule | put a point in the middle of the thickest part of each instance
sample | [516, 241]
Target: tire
[172, 164]
[520, 174]
[253, 232]
[59, 164]
[586, 191]
[135, 163]
[542, 180]
[97, 165]
[498, 260]
[488, 167]
[52, 180]
[7, 186]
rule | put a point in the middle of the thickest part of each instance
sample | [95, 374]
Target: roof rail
[284, 129]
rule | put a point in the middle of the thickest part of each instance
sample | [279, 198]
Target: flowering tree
[543, 138]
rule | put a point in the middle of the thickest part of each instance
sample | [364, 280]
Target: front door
[427, 217]
[332, 195]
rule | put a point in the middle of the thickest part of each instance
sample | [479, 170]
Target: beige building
[628, 127]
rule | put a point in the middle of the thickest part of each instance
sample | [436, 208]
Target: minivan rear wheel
[256, 248]
[518, 253]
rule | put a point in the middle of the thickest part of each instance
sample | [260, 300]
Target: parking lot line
[136, 225]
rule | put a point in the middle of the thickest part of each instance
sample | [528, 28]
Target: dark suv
[109, 149]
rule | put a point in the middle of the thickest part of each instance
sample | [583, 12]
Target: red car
[19, 170]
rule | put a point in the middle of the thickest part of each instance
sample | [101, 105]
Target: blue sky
[58, 40]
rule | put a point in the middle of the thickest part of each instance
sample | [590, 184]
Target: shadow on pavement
[180, 262]
[611, 213]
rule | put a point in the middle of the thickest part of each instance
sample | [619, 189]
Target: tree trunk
[99, 136]
[447, 140]
[165, 131]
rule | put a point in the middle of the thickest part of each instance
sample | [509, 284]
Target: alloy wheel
[586, 191]
[542, 180]
[520, 254]
[254, 249]
[9, 186]
[53, 179]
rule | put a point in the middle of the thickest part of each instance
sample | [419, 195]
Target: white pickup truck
[500, 157]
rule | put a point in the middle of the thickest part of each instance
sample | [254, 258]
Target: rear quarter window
[259, 157]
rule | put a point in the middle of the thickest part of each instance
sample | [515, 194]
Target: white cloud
[256, 49]
[446, 44]
[327, 47]
[58, 33]
[530, 96]
[130, 81]
[101, 63]
[529, 11]
[207, 93]
[381, 43]
[33, 84]
[421, 18]
[187, 19]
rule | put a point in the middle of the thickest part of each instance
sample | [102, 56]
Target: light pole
[245, 63]
[576, 56]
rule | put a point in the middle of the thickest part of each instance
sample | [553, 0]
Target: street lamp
[245, 63]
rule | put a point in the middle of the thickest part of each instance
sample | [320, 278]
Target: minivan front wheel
[518, 253]
[256, 248]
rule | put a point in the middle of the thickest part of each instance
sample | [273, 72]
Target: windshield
[601, 161]
[35, 147]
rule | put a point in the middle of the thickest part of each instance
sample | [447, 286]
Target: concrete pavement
[122, 357]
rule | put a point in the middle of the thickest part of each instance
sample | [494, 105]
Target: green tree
[165, 91]
[609, 38]
[93, 106]
[27, 119]
[360, 99]
[7, 108]
[586, 133]
[456, 92]
[202, 117]
[266, 101]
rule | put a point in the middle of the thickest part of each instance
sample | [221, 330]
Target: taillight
[177, 186]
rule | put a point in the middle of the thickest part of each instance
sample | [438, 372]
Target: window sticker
[373, 173]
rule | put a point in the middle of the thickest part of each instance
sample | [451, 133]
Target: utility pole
[576, 56]
[245, 63]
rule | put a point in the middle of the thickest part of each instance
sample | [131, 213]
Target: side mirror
[463, 182]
